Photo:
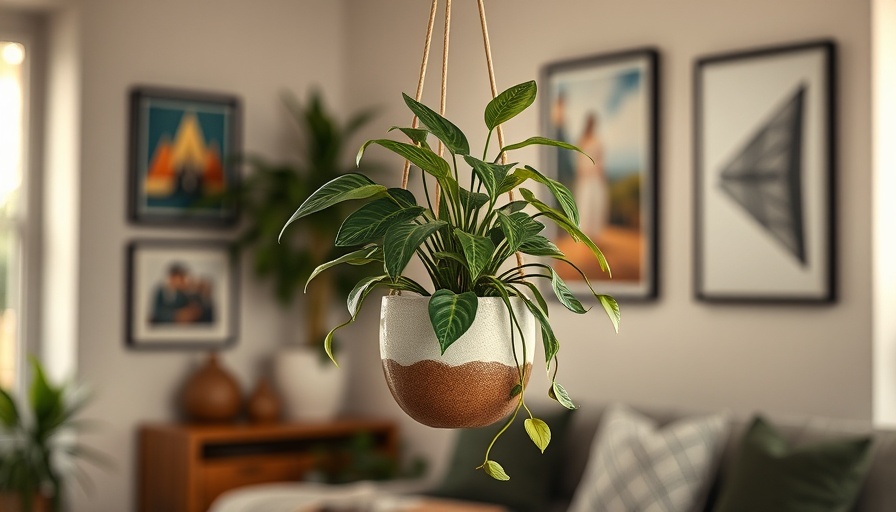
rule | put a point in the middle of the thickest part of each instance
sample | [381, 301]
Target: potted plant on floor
[309, 386]
[458, 353]
[39, 452]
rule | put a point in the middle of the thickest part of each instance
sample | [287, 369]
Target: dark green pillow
[769, 474]
[533, 475]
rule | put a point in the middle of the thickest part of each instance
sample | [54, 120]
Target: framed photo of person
[764, 159]
[181, 295]
[181, 157]
[607, 105]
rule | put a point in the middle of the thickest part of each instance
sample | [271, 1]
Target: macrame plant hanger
[444, 88]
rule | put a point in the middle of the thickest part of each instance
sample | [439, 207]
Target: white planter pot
[470, 385]
[312, 389]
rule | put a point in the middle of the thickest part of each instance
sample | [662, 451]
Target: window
[13, 153]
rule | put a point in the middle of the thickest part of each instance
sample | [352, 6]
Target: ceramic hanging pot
[471, 384]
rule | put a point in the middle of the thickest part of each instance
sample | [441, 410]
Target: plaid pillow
[636, 467]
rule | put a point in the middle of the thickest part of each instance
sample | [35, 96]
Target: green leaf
[612, 308]
[477, 199]
[360, 291]
[402, 240]
[540, 246]
[542, 141]
[548, 338]
[451, 315]
[478, 251]
[511, 181]
[402, 197]
[9, 413]
[516, 390]
[359, 257]
[417, 135]
[567, 225]
[328, 340]
[513, 207]
[559, 394]
[560, 192]
[537, 294]
[46, 401]
[509, 103]
[450, 256]
[423, 158]
[494, 470]
[491, 175]
[345, 187]
[565, 295]
[518, 227]
[370, 222]
[539, 432]
[443, 129]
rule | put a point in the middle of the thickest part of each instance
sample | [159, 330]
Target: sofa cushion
[636, 467]
[770, 474]
[533, 475]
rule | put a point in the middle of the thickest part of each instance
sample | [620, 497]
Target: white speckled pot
[470, 385]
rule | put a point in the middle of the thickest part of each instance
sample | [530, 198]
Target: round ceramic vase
[471, 384]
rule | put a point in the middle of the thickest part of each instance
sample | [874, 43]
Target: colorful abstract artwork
[606, 105]
[182, 146]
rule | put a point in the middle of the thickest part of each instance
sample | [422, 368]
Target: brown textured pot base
[475, 394]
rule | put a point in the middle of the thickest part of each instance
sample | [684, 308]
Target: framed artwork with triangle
[182, 149]
[764, 158]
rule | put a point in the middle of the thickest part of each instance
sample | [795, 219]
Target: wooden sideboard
[183, 468]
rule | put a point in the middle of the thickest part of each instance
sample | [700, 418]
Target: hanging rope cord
[444, 88]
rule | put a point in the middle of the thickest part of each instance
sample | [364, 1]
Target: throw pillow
[637, 467]
[769, 474]
[532, 473]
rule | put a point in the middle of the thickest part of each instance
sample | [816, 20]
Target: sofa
[878, 492]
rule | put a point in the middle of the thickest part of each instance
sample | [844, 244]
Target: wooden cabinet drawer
[221, 476]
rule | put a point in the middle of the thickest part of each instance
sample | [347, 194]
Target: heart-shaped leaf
[539, 432]
[443, 129]
[565, 295]
[494, 470]
[491, 175]
[346, 187]
[370, 222]
[509, 103]
[559, 394]
[423, 158]
[478, 251]
[612, 308]
[402, 240]
[451, 315]
[567, 225]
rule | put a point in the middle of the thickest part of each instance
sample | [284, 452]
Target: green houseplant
[39, 447]
[466, 242]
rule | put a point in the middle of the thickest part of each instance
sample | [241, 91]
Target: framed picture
[181, 294]
[764, 162]
[181, 164]
[607, 106]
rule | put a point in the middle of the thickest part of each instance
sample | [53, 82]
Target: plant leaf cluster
[467, 242]
[28, 459]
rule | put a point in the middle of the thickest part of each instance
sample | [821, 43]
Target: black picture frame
[633, 235]
[181, 157]
[775, 194]
[203, 314]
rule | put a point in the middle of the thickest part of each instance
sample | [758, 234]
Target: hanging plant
[467, 242]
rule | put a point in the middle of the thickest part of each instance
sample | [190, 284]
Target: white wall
[884, 40]
[252, 49]
[676, 351]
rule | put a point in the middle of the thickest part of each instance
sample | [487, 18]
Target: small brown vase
[264, 404]
[211, 394]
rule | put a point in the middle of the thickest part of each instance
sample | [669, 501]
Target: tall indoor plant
[38, 452]
[265, 196]
[466, 240]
